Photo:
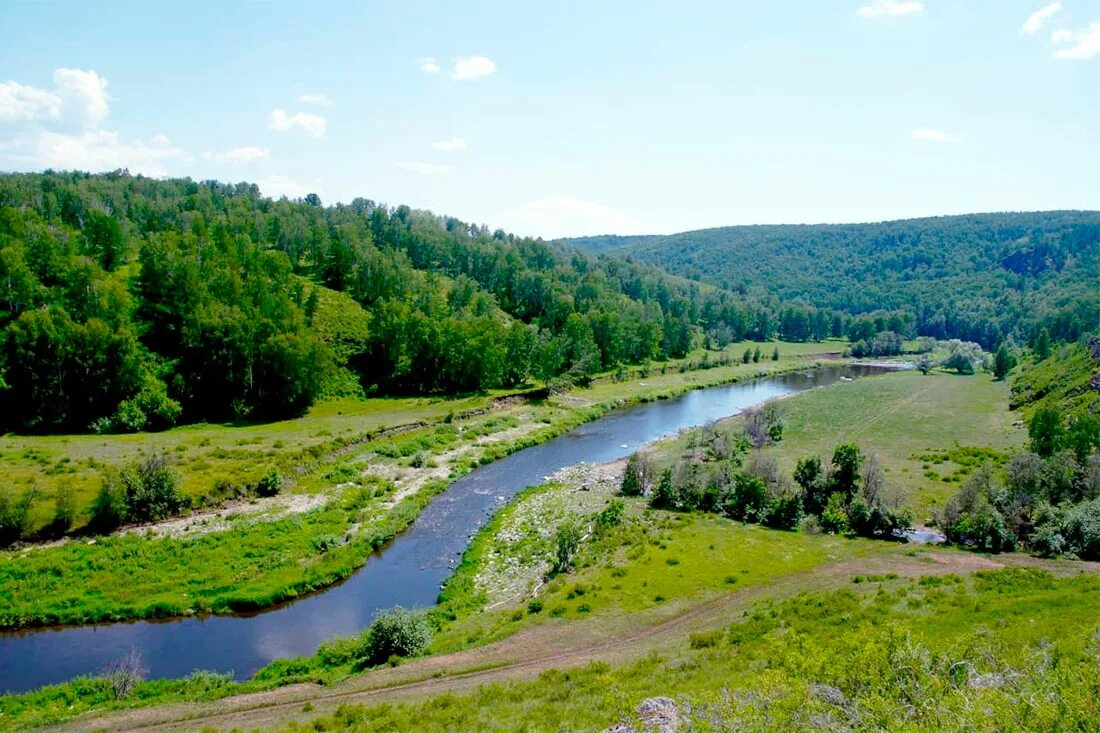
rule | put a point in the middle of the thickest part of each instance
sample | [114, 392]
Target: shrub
[270, 485]
[141, 492]
[123, 674]
[13, 517]
[611, 516]
[636, 476]
[567, 541]
[397, 632]
[64, 513]
[1081, 528]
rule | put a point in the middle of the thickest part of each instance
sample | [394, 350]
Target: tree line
[727, 474]
[128, 303]
[979, 277]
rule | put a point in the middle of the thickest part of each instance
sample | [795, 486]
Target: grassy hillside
[1065, 381]
[1008, 650]
[978, 277]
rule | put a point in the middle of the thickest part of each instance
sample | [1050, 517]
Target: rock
[829, 694]
[659, 715]
[656, 714]
[981, 681]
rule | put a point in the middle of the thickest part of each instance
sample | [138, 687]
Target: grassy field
[1007, 650]
[654, 559]
[929, 432]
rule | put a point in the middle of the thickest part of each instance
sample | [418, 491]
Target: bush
[146, 491]
[396, 632]
[124, 674]
[611, 516]
[270, 485]
[64, 513]
[567, 541]
[13, 517]
[1081, 528]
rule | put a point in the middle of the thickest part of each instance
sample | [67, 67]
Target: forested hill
[129, 303]
[979, 277]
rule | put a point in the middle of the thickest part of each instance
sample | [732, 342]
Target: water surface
[406, 572]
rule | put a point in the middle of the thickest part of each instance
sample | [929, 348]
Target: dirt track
[525, 654]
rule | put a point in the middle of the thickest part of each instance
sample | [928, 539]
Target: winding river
[407, 572]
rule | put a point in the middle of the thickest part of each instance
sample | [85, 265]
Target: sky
[563, 119]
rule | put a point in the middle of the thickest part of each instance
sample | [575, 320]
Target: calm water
[407, 572]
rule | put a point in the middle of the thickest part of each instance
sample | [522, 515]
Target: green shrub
[270, 485]
[397, 632]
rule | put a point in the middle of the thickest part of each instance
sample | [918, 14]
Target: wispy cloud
[429, 65]
[888, 8]
[468, 68]
[1038, 19]
[455, 143]
[932, 135]
[425, 169]
[320, 99]
[244, 154]
[1084, 44]
[280, 121]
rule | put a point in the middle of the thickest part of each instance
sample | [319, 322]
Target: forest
[979, 277]
[128, 303]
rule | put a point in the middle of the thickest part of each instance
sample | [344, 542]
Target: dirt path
[533, 650]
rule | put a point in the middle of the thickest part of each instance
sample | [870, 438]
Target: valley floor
[724, 625]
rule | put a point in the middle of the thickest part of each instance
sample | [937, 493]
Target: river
[406, 572]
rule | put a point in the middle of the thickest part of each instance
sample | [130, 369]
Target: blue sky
[565, 118]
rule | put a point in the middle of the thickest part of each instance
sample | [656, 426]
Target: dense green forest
[981, 277]
[128, 303]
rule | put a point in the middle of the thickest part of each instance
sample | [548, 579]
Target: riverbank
[372, 491]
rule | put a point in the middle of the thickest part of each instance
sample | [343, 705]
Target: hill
[978, 277]
[128, 303]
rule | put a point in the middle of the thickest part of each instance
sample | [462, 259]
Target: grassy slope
[1060, 382]
[1005, 650]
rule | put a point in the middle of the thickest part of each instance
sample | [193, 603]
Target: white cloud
[886, 8]
[79, 96]
[566, 216]
[320, 99]
[280, 121]
[455, 143]
[83, 92]
[1038, 19]
[930, 134]
[1085, 43]
[244, 154]
[468, 68]
[429, 65]
[96, 151]
[278, 186]
[425, 169]
[22, 103]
